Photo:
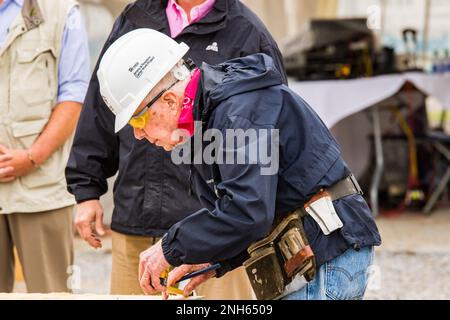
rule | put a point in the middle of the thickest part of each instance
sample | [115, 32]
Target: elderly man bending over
[298, 222]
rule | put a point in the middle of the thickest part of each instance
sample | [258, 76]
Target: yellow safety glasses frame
[140, 120]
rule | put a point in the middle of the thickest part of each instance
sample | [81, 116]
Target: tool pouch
[275, 260]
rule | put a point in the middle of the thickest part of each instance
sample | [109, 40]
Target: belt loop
[356, 184]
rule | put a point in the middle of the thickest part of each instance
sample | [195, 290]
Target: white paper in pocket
[323, 212]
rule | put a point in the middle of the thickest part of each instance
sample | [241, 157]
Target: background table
[334, 100]
[337, 100]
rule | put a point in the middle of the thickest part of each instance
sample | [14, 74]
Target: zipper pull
[190, 181]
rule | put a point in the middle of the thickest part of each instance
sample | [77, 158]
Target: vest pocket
[25, 134]
[35, 82]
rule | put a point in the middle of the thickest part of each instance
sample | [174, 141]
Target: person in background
[44, 68]
[148, 183]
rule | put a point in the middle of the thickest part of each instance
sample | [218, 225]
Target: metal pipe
[379, 160]
[426, 29]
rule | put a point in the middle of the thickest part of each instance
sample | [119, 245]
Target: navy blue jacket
[247, 93]
[147, 180]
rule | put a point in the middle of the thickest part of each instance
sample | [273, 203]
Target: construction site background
[414, 261]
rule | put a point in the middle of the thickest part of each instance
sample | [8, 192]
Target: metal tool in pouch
[277, 259]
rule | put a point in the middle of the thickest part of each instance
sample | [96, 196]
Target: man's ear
[171, 99]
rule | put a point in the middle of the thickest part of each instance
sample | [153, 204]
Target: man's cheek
[151, 134]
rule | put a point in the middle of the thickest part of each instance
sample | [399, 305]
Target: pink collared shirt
[178, 19]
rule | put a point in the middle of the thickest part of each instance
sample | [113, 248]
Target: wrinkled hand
[151, 264]
[14, 163]
[179, 272]
[87, 214]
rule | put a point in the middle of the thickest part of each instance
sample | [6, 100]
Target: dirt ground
[414, 260]
[412, 263]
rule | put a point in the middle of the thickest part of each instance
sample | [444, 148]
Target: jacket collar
[218, 13]
[214, 21]
[201, 111]
[152, 14]
[31, 13]
[30, 18]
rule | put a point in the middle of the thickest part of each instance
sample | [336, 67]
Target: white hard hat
[132, 66]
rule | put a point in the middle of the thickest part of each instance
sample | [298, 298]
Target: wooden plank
[68, 296]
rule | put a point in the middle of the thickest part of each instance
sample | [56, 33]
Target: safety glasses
[140, 120]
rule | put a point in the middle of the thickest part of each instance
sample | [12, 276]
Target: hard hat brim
[123, 118]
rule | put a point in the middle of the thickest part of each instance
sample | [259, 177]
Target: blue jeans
[343, 278]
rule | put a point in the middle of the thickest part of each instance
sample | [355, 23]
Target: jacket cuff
[224, 269]
[88, 199]
[231, 264]
[169, 253]
[85, 194]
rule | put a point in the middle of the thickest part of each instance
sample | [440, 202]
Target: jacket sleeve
[94, 155]
[242, 214]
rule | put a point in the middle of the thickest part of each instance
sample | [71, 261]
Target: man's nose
[139, 134]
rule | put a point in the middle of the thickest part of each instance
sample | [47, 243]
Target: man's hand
[14, 163]
[151, 264]
[87, 214]
[179, 272]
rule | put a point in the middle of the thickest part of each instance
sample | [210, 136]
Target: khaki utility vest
[28, 91]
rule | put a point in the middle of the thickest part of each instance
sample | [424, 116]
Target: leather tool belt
[285, 253]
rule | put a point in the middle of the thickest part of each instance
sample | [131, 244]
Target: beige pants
[44, 243]
[124, 279]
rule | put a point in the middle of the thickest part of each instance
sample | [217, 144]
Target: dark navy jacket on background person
[247, 93]
[150, 192]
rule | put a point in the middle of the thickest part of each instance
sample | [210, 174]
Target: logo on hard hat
[133, 67]
[138, 69]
